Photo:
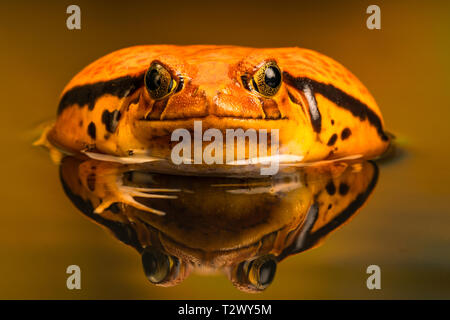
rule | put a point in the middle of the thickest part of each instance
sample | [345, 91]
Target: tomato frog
[241, 227]
[127, 104]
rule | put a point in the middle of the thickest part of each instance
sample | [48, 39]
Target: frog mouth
[213, 122]
[180, 119]
[155, 130]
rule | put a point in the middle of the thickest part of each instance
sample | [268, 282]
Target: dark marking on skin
[340, 98]
[332, 122]
[331, 189]
[332, 140]
[346, 133]
[90, 181]
[80, 123]
[89, 93]
[91, 130]
[330, 206]
[111, 120]
[343, 189]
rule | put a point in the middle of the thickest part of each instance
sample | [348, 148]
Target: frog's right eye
[159, 82]
[261, 271]
[255, 275]
[159, 268]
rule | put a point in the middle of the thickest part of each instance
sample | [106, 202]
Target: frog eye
[267, 79]
[159, 82]
[257, 274]
[261, 272]
[159, 267]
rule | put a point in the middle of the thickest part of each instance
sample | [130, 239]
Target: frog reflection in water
[242, 227]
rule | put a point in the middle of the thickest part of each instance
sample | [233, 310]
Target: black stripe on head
[89, 93]
[340, 98]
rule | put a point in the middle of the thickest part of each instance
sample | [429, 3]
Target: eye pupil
[153, 79]
[272, 77]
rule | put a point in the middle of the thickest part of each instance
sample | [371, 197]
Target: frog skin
[129, 102]
[241, 227]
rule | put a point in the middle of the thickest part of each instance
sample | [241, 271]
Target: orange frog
[128, 103]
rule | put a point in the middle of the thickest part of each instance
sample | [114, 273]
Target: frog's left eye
[267, 80]
[159, 82]
[159, 267]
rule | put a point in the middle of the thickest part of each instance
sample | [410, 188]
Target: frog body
[131, 101]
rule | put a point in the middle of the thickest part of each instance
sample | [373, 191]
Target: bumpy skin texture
[107, 108]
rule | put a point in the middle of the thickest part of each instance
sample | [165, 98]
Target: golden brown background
[405, 228]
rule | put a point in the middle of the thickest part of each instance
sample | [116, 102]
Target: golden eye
[159, 81]
[258, 274]
[159, 267]
[267, 80]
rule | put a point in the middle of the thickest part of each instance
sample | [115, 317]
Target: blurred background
[405, 227]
